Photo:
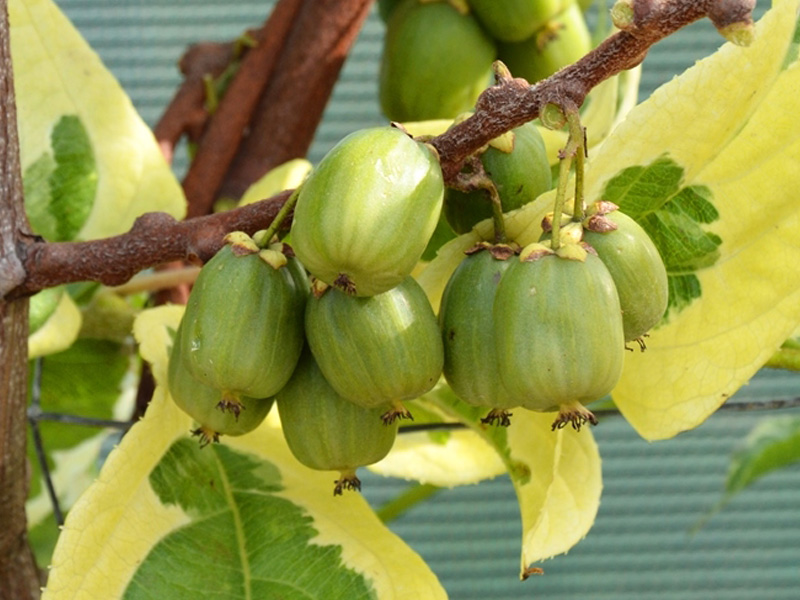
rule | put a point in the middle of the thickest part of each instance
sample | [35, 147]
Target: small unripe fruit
[327, 432]
[242, 331]
[376, 350]
[202, 403]
[365, 214]
[558, 330]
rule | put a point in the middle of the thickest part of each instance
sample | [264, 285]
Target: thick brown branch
[227, 128]
[155, 238]
[291, 107]
[513, 102]
[186, 113]
[19, 576]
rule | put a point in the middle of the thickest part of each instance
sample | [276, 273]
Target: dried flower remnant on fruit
[498, 416]
[206, 436]
[347, 481]
[231, 403]
[576, 415]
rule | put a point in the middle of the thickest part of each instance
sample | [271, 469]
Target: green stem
[287, 207]
[561, 193]
[578, 133]
[405, 500]
[574, 147]
[497, 211]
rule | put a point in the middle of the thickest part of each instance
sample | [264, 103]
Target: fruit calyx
[500, 417]
[500, 251]
[574, 414]
[231, 403]
[596, 217]
[206, 435]
[347, 481]
[241, 244]
[397, 411]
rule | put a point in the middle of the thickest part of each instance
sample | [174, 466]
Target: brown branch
[513, 102]
[19, 575]
[155, 238]
[226, 129]
[291, 107]
[186, 113]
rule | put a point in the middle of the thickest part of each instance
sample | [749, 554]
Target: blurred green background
[641, 546]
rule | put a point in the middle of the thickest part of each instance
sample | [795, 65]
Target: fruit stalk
[283, 213]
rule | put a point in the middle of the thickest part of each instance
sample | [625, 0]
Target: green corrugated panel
[640, 547]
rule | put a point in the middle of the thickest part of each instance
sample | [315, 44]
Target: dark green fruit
[435, 63]
[243, 327]
[637, 269]
[557, 44]
[376, 350]
[365, 214]
[202, 403]
[327, 432]
[558, 333]
[465, 317]
[520, 177]
[516, 20]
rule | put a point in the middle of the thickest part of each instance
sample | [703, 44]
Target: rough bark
[291, 106]
[19, 576]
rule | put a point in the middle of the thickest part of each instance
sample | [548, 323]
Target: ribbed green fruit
[520, 176]
[558, 333]
[557, 44]
[243, 327]
[435, 62]
[638, 272]
[515, 20]
[365, 214]
[202, 403]
[467, 324]
[376, 350]
[327, 432]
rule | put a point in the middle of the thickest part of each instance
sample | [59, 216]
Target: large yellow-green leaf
[90, 164]
[709, 166]
[240, 519]
[556, 475]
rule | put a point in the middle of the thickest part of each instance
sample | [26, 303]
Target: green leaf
[672, 214]
[73, 183]
[42, 306]
[38, 196]
[262, 542]
[90, 164]
[242, 519]
[773, 444]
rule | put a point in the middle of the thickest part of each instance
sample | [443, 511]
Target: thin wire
[85, 421]
[740, 407]
[33, 418]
